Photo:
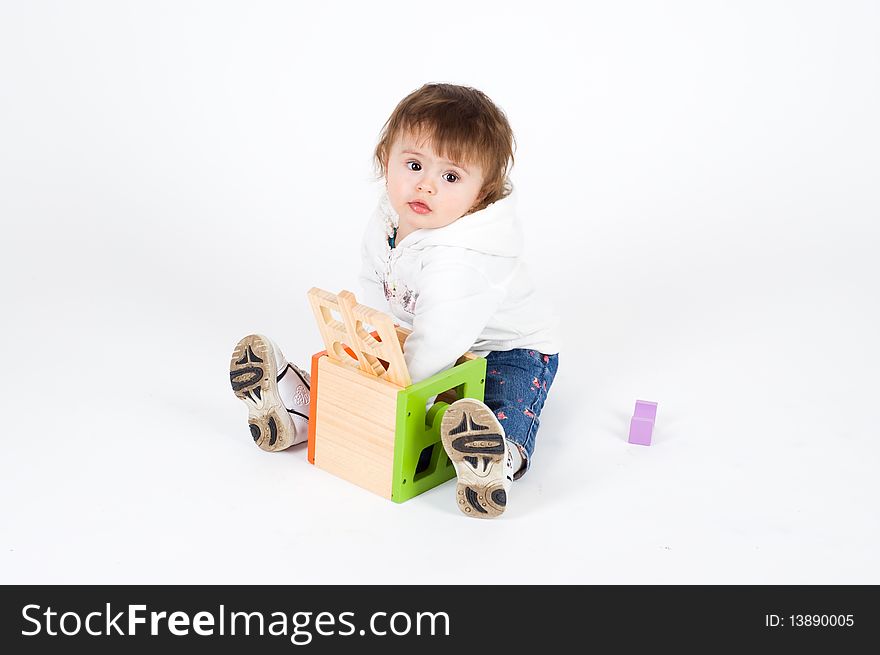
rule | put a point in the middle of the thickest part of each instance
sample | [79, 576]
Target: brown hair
[463, 125]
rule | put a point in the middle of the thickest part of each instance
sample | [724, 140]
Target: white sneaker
[474, 440]
[275, 391]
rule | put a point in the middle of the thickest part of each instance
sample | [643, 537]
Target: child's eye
[413, 165]
[454, 177]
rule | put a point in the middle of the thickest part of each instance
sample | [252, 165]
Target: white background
[699, 186]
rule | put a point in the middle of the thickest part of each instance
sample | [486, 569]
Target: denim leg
[517, 382]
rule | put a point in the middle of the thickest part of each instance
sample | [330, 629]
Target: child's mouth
[419, 207]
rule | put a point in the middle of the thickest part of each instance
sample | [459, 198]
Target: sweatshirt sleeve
[454, 305]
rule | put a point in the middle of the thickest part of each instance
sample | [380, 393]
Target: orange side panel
[313, 402]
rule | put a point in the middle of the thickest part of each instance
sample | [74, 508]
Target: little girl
[442, 254]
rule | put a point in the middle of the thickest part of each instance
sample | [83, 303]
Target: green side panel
[420, 463]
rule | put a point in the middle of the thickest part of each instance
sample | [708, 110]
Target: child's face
[425, 190]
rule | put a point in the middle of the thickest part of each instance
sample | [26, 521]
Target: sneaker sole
[474, 440]
[252, 373]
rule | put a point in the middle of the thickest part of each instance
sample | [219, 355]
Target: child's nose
[425, 186]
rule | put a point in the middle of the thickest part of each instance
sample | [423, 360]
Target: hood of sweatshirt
[495, 230]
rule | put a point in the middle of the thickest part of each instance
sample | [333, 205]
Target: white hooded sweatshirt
[460, 287]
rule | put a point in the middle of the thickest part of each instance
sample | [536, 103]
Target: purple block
[640, 430]
[645, 409]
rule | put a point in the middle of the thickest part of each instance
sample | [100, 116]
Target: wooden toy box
[369, 425]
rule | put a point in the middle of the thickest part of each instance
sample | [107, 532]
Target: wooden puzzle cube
[369, 425]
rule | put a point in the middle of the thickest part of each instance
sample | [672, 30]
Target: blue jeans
[517, 382]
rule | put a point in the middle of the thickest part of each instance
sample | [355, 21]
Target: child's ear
[480, 199]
